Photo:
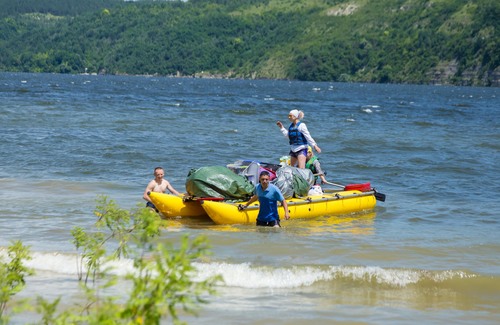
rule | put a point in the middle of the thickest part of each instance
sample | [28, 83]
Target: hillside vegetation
[389, 41]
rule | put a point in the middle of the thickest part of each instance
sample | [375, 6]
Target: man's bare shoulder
[151, 184]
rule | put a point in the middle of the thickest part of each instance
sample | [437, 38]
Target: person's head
[264, 179]
[159, 173]
[295, 115]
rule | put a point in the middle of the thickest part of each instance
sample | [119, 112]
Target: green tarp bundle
[218, 181]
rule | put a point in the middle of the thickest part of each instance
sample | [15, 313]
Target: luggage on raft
[219, 182]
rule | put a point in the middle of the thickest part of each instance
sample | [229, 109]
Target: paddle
[379, 196]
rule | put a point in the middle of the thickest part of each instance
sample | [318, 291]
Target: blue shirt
[268, 201]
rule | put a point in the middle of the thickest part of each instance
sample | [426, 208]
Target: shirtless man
[160, 185]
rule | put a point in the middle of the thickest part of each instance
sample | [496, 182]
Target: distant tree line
[54, 7]
[387, 41]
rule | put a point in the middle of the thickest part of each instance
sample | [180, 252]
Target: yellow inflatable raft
[172, 206]
[327, 204]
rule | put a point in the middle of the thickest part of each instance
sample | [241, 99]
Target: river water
[430, 253]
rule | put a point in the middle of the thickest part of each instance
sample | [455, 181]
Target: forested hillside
[393, 41]
[55, 7]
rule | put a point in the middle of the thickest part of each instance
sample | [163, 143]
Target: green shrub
[12, 275]
[161, 281]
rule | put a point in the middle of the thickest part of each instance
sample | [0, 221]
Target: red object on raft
[365, 187]
[209, 199]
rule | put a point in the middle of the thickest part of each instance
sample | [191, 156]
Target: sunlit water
[429, 253]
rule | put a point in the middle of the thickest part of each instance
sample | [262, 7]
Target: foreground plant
[12, 275]
[162, 279]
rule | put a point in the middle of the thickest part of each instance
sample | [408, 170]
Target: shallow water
[430, 252]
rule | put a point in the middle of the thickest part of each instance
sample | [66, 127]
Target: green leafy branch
[162, 281]
[12, 275]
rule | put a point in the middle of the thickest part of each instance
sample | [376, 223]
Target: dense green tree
[327, 40]
[55, 7]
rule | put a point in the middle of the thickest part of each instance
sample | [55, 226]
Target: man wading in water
[268, 196]
[159, 185]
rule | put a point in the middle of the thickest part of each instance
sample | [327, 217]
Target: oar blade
[380, 196]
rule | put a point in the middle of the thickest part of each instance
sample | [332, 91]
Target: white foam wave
[68, 264]
[246, 275]
[394, 277]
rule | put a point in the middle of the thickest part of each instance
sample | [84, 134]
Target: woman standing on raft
[299, 138]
